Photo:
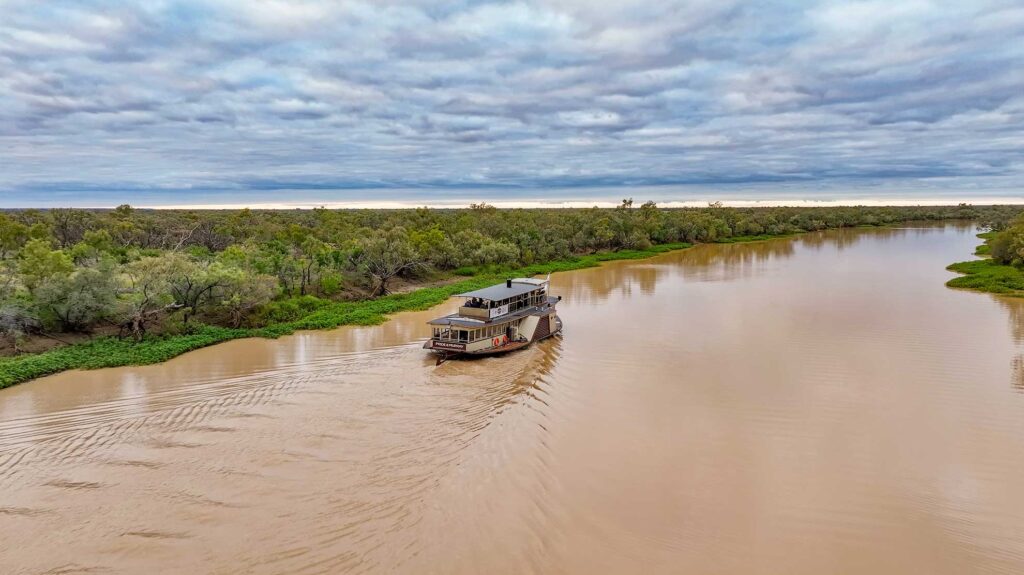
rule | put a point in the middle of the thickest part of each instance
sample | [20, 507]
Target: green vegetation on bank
[1001, 271]
[140, 286]
[757, 238]
[115, 352]
[988, 276]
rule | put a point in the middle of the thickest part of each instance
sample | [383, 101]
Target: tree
[8, 279]
[123, 212]
[94, 246]
[39, 263]
[496, 253]
[69, 225]
[312, 255]
[145, 295]
[122, 228]
[80, 299]
[435, 247]
[601, 234]
[192, 284]
[384, 255]
[13, 235]
[244, 293]
[17, 320]
[1008, 244]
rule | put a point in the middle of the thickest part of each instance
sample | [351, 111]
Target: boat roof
[504, 291]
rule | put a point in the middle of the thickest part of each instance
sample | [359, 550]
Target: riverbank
[113, 352]
[985, 275]
[107, 351]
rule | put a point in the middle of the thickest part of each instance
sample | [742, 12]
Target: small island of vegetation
[102, 288]
[1001, 267]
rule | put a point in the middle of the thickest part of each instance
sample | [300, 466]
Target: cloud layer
[266, 95]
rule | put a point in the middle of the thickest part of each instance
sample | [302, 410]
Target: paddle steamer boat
[497, 319]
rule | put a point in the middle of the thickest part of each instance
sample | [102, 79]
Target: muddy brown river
[817, 405]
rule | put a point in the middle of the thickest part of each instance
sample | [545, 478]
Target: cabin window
[463, 335]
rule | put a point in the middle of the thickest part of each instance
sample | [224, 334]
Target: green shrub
[330, 283]
[290, 309]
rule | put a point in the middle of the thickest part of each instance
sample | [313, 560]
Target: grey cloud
[222, 95]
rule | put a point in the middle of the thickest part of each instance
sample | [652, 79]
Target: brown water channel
[815, 405]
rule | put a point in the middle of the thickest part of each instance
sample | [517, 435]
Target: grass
[113, 352]
[984, 249]
[757, 238]
[986, 275]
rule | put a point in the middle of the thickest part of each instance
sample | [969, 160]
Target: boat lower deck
[448, 353]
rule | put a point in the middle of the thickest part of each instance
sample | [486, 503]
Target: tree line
[134, 272]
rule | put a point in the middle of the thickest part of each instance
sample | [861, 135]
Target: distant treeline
[132, 272]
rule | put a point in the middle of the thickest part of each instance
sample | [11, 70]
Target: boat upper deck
[498, 301]
[460, 320]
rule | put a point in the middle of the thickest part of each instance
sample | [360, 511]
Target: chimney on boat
[508, 283]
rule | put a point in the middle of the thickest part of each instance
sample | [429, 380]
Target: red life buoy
[504, 339]
[496, 342]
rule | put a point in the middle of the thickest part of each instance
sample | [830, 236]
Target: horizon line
[567, 204]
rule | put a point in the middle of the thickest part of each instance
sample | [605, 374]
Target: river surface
[815, 405]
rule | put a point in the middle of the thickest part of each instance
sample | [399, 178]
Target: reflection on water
[1015, 311]
[821, 404]
[701, 263]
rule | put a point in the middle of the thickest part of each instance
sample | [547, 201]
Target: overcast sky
[226, 102]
